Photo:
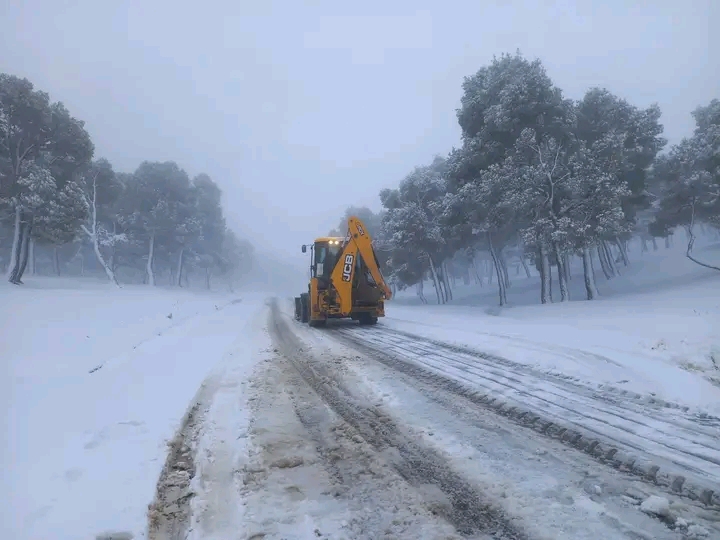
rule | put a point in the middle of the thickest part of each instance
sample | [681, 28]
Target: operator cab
[324, 256]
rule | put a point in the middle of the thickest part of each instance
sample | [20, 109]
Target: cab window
[321, 251]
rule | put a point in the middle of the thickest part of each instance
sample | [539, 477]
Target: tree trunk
[442, 281]
[178, 272]
[33, 267]
[691, 242]
[92, 234]
[26, 230]
[56, 260]
[667, 242]
[16, 257]
[490, 265]
[644, 245]
[113, 252]
[566, 267]
[447, 278]
[108, 270]
[207, 277]
[525, 266]
[550, 279]
[419, 291]
[503, 267]
[477, 272]
[623, 251]
[434, 278]
[654, 243]
[149, 268]
[15, 250]
[545, 277]
[602, 257]
[440, 284]
[610, 260]
[590, 286]
[562, 274]
[502, 292]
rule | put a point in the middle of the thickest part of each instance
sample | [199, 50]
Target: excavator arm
[357, 243]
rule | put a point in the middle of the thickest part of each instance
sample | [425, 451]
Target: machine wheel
[298, 308]
[367, 319]
[304, 307]
[316, 324]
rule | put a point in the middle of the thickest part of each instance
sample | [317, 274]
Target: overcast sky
[301, 108]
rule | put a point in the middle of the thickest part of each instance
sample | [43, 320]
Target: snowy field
[98, 381]
[654, 331]
[95, 383]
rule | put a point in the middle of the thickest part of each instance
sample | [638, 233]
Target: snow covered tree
[100, 189]
[35, 189]
[501, 102]
[53, 195]
[690, 180]
[477, 212]
[41, 148]
[413, 223]
[498, 103]
[211, 225]
[628, 139]
[372, 221]
[158, 191]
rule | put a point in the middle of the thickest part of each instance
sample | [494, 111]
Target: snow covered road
[172, 415]
[347, 445]
[632, 433]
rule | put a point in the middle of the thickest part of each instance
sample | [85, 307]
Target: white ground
[95, 382]
[656, 330]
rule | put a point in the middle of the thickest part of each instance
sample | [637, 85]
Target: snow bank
[96, 381]
[663, 341]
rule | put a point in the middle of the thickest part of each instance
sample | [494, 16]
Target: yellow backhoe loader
[345, 280]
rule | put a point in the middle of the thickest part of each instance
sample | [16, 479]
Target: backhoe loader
[345, 280]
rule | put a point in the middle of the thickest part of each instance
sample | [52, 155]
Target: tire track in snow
[609, 391]
[176, 324]
[169, 513]
[467, 511]
[610, 431]
[600, 409]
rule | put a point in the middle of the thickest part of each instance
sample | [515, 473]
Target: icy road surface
[680, 443]
[344, 443]
[170, 415]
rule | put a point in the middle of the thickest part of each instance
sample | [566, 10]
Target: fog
[299, 109]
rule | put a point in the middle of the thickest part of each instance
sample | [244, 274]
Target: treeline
[59, 206]
[540, 179]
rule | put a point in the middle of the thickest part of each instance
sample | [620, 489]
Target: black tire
[318, 323]
[304, 307]
[367, 319]
[298, 308]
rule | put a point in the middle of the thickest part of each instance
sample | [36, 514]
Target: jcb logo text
[348, 267]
